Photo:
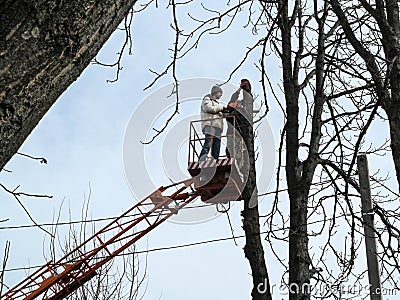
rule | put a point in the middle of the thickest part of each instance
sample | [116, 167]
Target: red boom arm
[56, 280]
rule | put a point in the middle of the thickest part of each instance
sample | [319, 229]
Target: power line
[83, 221]
[188, 244]
[152, 250]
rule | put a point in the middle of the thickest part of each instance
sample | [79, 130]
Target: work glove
[233, 105]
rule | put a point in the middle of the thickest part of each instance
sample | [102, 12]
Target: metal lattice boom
[56, 280]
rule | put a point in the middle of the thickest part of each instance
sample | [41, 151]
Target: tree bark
[44, 47]
[392, 44]
[386, 15]
[253, 248]
[299, 262]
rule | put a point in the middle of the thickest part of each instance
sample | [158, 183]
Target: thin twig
[127, 43]
[41, 159]
[16, 196]
[3, 268]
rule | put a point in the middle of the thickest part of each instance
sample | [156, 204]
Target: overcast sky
[82, 137]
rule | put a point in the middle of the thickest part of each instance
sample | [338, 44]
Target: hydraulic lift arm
[56, 280]
[214, 181]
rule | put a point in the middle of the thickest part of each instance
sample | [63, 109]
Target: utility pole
[369, 228]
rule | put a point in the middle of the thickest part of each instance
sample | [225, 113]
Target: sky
[87, 140]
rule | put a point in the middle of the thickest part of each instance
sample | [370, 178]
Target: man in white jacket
[212, 123]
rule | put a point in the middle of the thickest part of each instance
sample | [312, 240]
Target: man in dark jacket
[235, 145]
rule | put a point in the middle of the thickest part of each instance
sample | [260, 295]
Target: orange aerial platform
[215, 181]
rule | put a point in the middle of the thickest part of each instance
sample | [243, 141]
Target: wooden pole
[369, 228]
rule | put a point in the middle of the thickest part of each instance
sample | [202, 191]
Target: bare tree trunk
[44, 47]
[253, 249]
[298, 193]
[386, 15]
[394, 124]
[392, 51]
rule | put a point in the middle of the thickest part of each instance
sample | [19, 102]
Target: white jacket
[211, 113]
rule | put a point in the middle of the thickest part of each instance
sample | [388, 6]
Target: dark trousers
[213, 140]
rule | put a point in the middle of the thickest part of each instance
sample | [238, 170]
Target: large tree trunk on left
[44, 46]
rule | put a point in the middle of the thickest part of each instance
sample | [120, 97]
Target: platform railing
[197, 138]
